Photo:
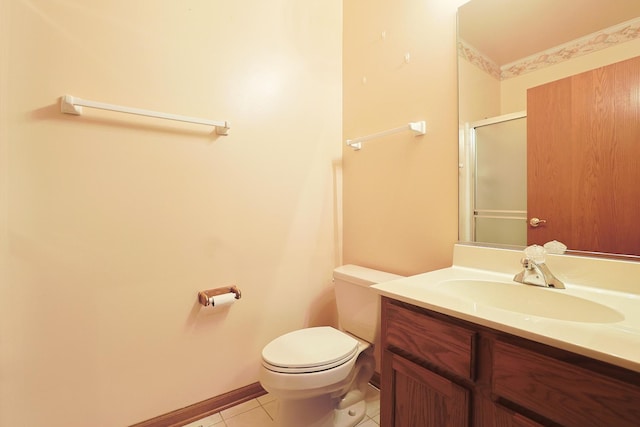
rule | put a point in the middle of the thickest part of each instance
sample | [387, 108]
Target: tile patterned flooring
[259, 413]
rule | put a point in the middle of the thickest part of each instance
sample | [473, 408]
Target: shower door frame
[467, 179]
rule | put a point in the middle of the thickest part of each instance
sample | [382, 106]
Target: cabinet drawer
[447, 346]
[564, 393]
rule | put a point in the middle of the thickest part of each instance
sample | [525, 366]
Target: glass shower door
[500, 185]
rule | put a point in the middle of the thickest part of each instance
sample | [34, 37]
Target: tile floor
[259, 413]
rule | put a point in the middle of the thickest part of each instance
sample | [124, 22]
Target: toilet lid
[309, 350]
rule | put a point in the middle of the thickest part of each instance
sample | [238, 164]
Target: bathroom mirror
[504, 48]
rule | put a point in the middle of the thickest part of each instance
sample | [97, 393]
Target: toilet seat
[309, 350]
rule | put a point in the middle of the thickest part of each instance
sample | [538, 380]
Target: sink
[532, 300]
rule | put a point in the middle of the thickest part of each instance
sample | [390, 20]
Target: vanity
[468, 346]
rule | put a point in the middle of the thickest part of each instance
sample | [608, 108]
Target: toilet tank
[359, 306]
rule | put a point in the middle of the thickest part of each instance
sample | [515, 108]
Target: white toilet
[320, 375]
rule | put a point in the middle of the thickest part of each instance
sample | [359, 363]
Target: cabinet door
[420, 397]
[508, 418]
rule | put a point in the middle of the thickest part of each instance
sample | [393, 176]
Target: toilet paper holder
[204, 297]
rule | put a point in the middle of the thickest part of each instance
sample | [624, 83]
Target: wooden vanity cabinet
[445, 372]
[424, 398]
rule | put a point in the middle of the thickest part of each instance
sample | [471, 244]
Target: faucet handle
[535, 253]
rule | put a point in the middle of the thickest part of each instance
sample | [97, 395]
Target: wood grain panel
[626, 153]
[508, 418]
[583, 159]
[445, 345]
[549, 175]
[608, 127]
[426, 399]
[517, 382]
[562, 392]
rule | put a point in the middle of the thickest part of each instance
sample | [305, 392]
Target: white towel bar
[419, 128]
[73, 105]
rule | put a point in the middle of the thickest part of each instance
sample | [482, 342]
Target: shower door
[499, 148]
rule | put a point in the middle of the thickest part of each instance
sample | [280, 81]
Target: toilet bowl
[320, 375]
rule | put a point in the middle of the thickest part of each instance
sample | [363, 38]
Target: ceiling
[509, 30]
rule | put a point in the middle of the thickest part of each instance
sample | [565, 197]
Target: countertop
[611, 335]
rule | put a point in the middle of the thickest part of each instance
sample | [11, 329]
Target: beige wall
[110, 224]
[479, 93]
[400, 192]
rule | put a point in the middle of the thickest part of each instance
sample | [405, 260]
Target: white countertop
[612, 335]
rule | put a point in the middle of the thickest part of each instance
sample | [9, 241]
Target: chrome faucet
[536, 271]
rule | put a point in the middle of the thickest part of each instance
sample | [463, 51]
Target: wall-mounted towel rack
[73, 105]
[419, 128]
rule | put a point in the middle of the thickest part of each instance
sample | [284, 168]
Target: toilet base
[350, 416]
[314, 412]
[319, 412]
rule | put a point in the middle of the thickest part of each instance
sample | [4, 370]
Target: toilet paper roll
[222, 300]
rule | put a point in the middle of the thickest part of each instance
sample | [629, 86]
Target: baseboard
[205, 408]
[181, 417]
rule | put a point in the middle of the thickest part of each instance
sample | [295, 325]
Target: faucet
[536, 271]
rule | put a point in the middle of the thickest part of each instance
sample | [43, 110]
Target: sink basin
[533, 300]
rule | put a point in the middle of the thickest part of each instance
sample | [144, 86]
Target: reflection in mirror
[500, 204]
[506, 47]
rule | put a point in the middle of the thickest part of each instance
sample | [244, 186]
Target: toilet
[320, 375]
